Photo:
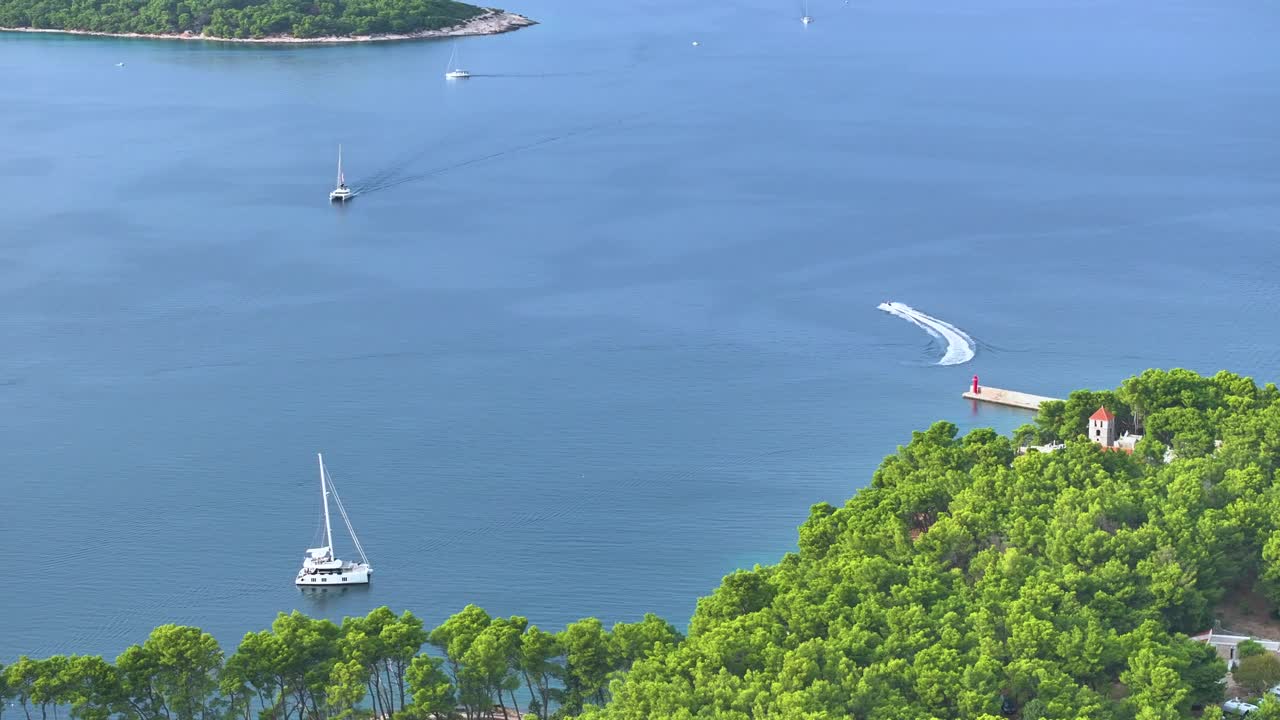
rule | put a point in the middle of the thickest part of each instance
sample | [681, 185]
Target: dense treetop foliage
[967, 574]
[969, 580]
[373, 666]
[238, 18]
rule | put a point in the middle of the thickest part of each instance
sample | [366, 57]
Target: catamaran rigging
[453, 72]
[341, 193]
[320, 567]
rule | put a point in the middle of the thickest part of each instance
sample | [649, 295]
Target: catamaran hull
[322, 580]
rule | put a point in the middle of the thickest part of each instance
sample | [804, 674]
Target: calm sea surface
[615, 329]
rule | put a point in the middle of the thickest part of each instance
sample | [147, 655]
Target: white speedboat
[453, 72]
[341, 193]
[320, 568]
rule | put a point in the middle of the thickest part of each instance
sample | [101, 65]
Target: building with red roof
[1102, 427]
[1102, 414]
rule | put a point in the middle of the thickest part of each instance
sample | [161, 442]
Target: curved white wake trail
[960, 347]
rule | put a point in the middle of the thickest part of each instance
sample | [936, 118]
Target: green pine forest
[238, 18]
[966, 581]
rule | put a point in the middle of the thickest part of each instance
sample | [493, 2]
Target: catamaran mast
[324, 485]
[340, 182]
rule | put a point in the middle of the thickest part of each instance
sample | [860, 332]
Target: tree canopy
[968, 580]
[305, 668]
[238, 18]
[967, 573]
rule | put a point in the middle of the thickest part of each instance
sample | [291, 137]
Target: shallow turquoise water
[594, 372]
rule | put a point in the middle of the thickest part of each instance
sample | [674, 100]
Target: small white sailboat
[453, 72]
[320, 568]
[341, 193]
[805, 18]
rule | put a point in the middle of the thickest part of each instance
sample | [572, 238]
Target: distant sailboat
[805, 18]
[341, 193]
[453, 72]
[319, 567]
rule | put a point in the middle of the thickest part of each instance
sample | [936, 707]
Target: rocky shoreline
[490, 23]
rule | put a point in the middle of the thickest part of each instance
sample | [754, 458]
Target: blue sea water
[616, 329]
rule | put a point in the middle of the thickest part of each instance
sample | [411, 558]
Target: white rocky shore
[490, 23]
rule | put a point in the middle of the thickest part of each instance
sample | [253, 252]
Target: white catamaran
[320, 568]
[806, 19]
[453, 72]
[342, 193]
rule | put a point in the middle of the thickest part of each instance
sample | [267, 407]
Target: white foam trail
[960, 347]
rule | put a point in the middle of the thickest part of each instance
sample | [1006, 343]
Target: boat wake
[395, 175]
[960, 347]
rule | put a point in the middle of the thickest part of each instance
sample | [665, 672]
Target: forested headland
[968, 580]
[241, 19]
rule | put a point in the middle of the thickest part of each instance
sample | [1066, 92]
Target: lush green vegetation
[308, 669]
[968, 581]
[238, 18]
[966, 574]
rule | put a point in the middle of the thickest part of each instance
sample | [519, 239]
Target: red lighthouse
[975, 385]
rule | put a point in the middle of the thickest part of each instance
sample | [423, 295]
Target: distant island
[267, 21]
